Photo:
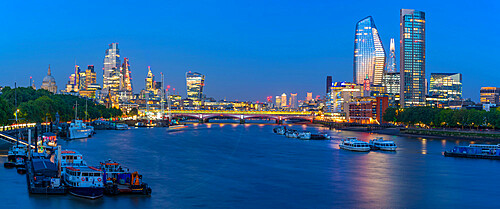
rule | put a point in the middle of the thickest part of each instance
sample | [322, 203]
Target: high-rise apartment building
[490, 95]
[391, 59]
[412, 58]
[446, 85]
[328, 83]
[369, 53]
[195, 83]
[111, 71]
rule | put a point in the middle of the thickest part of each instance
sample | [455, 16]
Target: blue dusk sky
[247, 49]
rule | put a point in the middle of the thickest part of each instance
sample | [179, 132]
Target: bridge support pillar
[202, 120]
[279, 122]
[242, 121]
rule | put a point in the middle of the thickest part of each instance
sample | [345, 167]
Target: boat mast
[76, 111]
[162, 95]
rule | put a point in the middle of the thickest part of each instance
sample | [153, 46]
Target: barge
[473, 152]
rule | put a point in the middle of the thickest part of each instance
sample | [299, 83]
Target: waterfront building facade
[446, 85]
[369, 53]
[195, 83]
[412, 58]
[490, 95]
[49, 82]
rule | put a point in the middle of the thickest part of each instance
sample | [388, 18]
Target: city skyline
[300, 69]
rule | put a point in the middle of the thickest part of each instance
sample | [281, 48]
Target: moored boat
[306, 135]
[380, 144]
[121, 126]
[86, 182]
[290, 133]
[280, 130]
[353, 144]
[78, 129]
[119, 179]
[15, 152]
[473, 152]
[43, 177]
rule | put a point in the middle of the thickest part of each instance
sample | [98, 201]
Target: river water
[248, 166]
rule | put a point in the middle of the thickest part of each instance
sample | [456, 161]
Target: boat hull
[465, 155]
[356, 149]
[80, 133]
[87, 192]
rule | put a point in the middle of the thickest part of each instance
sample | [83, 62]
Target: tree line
[37, 105]
[448, 118]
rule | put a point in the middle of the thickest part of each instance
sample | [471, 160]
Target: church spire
[48, 72]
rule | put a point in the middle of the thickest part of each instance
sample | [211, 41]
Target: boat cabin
[84, 177]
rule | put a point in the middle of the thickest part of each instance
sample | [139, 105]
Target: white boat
[121, 126]
[292, 134]
[279, 130]
[353, 144]
[304, 135]
[78, 129]
[86, 182]
[15, 152]
[380, 144]
[71, 158]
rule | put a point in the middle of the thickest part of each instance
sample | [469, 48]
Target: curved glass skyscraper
[369, 53]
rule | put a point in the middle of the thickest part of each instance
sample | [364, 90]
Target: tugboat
[380, 144]
[16, 151]
[118, 180]
[86, 182]
[353, 144]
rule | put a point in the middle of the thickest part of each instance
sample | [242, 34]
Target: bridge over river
[279, 116]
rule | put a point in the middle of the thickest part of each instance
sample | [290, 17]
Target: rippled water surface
[247, 166]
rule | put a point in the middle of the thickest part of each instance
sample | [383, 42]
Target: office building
[127, 76]
[412, 58]
[446, 85]
[392, 83]
[284, 102]
[195, 83]
[111, 70]
[391, 59]
[369, 53]
[490, 95]
[309, 96]
[49, 82]
[294, 103]
[278, 102]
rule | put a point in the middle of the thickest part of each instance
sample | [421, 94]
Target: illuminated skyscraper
[391, 59]
[446, 85]
[369, 53]
[111, 71]
[127, 78]
[278, 101]
[412, 58]
[294, 103]
[309, 96]
[195, 83]
[150, 79]
[90, 76]
[283, 100]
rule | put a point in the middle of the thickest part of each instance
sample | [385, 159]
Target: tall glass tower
[369, 53]
[391, 60]
[111, 70]
[195, 83]
[412, 58]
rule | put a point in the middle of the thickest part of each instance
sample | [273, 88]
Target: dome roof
[49, 78]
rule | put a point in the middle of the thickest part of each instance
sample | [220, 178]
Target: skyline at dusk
[247, 51]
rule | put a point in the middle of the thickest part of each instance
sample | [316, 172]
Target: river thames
[248, 166]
